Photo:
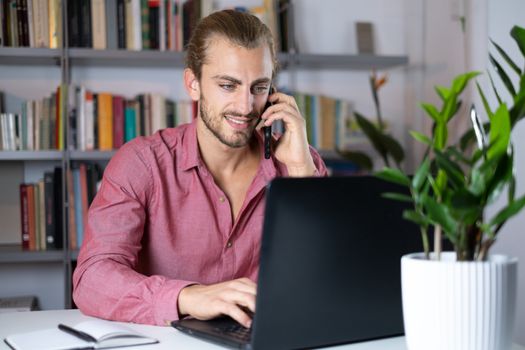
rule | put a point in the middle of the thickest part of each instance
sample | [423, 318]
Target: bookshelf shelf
[30, 56]
[91, 155]
[30, 155]
[175, 59]
[15, 254]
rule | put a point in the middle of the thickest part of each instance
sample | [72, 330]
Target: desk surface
[170, 338]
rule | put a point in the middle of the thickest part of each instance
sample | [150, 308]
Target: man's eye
[228, 87]
[260, 89]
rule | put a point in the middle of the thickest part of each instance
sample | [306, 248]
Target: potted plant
[464, 299]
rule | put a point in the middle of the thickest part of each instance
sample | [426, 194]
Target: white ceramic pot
[451, 305]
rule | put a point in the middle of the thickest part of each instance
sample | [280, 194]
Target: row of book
[121, 24]
[105, 121]
[97, 121]
[40, 126]
[31, 23]
[41, 212]
[41, 209]
[330, 124]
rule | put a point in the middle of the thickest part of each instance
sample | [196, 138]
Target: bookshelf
[13, 260]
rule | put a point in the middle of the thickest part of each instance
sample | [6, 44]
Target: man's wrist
[302, 171]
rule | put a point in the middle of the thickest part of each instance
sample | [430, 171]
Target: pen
[77, 333]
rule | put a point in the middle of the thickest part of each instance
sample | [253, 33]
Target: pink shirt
[159, 223]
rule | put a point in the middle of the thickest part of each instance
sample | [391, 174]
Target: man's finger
[237, 314]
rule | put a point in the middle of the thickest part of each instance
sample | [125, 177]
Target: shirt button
[221, 199]
[229, 244]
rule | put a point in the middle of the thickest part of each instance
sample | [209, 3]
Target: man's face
[233, 90]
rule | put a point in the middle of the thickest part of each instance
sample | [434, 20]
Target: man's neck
[221, 159]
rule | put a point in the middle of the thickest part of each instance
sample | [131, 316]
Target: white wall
[502, 15]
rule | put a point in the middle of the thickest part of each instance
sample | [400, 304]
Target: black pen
[77, 333]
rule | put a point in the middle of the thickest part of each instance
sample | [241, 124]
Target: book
[92, 334]
[16, 304]
[365, 37]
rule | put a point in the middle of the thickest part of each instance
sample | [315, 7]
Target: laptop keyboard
[236, 331]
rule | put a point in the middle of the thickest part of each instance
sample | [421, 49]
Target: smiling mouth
[238, 121]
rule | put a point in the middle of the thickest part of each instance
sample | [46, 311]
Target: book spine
[118, 122]
[86, 36]
[24, 216]
[137, 24]
[98, 19]
[84, 201]
[111, 24]
[58, 207]
[90, 122]
[49, 198]
[41, 215]
[105, 121]
[72, 227]
[31, 216]
[121, 24]
[144, 21]
[153, 6]
[130, 123]
[78, 206]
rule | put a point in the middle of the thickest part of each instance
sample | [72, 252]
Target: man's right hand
[226, 298]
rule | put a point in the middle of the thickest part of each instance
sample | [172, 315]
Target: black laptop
[329, 267]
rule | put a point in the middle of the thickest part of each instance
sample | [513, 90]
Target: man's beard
[239, 138]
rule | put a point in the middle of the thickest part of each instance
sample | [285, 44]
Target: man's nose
[245, 102]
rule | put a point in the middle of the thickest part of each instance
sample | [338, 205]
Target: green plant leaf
[499, 132]
[512, 209]
[421, 137]
[394, 148]
[518, 34]
[494, 88]
[432, 111]
[503, 75]
[393, 175]
[506, 57]
[463, 199]
[453, 151]
[441, 181]
[421, 175]
[449, 107]
[416, 217]
[502, 176]
[440, 135]
[459, 82]
[397, 196]
[453, 170]
[361, 159]
[512, 189]
[440, 215]
[442, 91]
[517, 112]
[372, 133]
[485, 102]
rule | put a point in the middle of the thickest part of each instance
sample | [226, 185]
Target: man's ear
[191, 83]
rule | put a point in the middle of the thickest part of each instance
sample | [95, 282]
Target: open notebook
[93, 334]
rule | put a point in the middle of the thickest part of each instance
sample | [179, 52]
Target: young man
[175, 228]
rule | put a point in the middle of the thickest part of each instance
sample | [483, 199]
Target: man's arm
[106, 282]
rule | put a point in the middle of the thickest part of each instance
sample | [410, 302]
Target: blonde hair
[240, 28]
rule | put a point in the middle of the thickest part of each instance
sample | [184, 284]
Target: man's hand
[227, 298]
[292, 148]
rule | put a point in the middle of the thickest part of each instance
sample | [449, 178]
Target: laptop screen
[330, 262]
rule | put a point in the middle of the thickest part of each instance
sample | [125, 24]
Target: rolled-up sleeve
[106, 281]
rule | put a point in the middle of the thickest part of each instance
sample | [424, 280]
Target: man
[175, 228]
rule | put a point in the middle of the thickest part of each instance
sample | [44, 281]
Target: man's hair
[239, 28]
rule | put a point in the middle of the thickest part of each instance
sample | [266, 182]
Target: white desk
[169, 337]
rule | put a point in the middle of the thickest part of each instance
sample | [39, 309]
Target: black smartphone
[267, 131]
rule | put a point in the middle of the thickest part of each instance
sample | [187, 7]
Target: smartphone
[267, 131]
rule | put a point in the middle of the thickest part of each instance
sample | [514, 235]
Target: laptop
[329, 268]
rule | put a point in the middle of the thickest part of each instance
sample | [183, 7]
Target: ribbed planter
[458, 305]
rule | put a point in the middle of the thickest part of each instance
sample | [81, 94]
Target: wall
[502, 15]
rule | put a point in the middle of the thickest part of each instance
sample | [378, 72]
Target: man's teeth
[240, 122]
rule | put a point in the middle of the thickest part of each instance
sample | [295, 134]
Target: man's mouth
[238, 122]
